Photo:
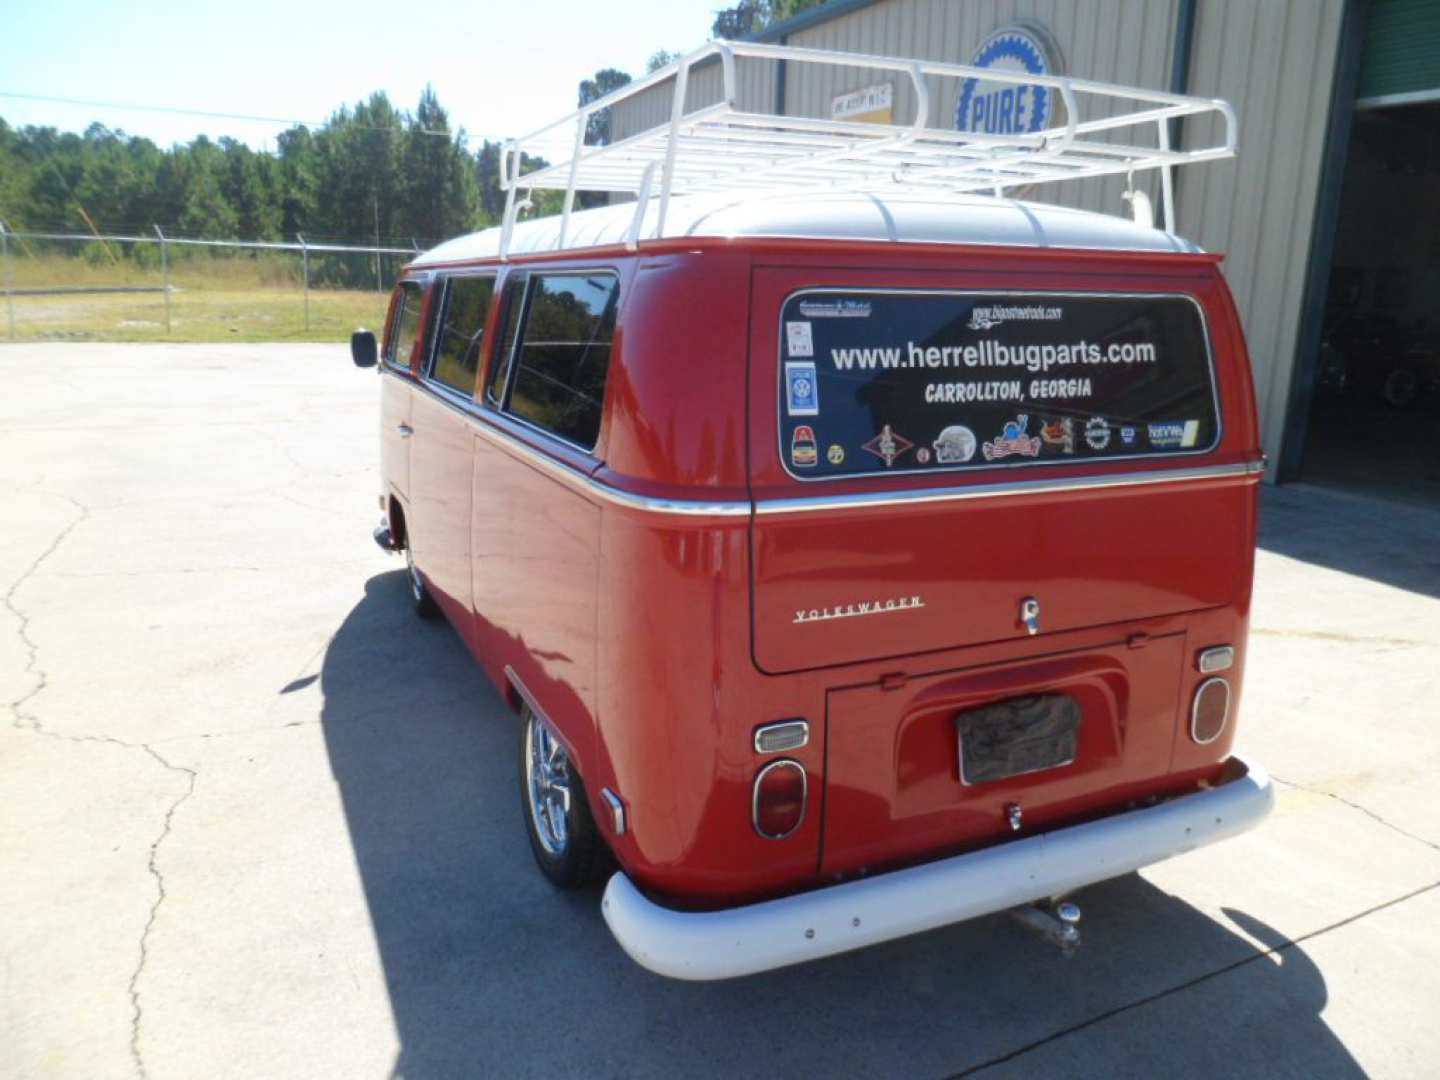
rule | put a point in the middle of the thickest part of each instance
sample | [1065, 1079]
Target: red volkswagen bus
[858, 561]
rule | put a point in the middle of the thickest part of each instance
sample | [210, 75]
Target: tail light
[777, 806]
[1210, 710]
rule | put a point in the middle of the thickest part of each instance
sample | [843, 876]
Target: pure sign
[1005, 108]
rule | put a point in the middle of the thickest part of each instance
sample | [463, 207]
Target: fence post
[9, 281]
[305, 275]
[164, 275]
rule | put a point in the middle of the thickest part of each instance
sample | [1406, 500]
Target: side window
[406, 327]
[559, 371]
[459, 341]
[499, 375]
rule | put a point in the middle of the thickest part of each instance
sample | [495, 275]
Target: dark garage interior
[1375, 419]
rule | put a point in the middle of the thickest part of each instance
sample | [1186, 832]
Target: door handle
[405, 431]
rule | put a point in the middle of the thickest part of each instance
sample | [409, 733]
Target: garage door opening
[1375, 416]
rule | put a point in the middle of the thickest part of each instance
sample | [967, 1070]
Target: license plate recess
[1019, 736]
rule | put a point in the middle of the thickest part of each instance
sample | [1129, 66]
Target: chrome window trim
[954, 469]
[755, 798]
[1248, 471]
[1195, 709]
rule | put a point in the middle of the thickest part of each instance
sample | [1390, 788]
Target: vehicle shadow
[1389, 542]
[491, 972]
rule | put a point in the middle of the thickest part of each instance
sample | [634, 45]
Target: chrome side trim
[526, 696]
[863, 500]
[586, 484]
[617, 810]
[755, 798]
[580, 481]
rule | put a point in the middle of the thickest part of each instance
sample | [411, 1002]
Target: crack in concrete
[1119, 1010]
[152, 863]
[28, 721]
[1432, 845]
[19, 718]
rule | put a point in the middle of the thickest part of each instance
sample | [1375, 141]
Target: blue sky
[501, 68]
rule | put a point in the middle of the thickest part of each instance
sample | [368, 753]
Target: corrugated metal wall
[1126, 41]
[754, 91]
[1274, 59]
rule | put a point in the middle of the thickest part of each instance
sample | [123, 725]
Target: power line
[287, 121]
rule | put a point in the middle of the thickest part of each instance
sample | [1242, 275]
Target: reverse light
[1219, 658]
[1210, 710]
[777, 805]
[780, 737]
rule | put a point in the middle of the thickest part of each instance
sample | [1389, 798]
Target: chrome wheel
[547, 776]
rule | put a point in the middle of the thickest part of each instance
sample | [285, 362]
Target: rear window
[902, 382]
[558, 382]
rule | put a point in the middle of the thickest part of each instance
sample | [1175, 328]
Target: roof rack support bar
[672, 144]
[642, 202]
[1167, 181]
[508, 181]
[574, 171]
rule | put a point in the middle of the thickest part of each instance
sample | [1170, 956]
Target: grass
[213, 298]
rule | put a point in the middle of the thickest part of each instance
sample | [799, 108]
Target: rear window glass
[558, 382]
[905, 382]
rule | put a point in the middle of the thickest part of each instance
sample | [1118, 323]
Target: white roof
[898, 216]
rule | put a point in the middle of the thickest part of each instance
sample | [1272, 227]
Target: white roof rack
[721, 147]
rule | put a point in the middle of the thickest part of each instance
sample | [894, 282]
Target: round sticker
[955, 445]
[836, 454]
[922, 456]
[1097, 433]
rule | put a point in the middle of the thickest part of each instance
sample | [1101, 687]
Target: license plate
[1012, 738]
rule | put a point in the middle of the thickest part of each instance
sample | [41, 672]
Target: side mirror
[363, 349]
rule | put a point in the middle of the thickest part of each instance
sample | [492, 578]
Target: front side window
[406, 326]
[891, 382]
[558, 382]
[459, 339]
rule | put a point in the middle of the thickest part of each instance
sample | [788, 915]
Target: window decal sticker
[991, 379]
[802, 398]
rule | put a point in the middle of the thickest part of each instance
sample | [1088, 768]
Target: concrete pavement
[256, 819]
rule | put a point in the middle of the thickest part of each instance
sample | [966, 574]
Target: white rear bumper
[759, 937]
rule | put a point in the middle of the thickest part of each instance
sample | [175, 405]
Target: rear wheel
[567, 846]
[425, 605]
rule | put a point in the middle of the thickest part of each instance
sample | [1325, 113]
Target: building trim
[1387, 101]
[814, 17]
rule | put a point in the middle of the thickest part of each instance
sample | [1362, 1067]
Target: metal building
[1329, 220]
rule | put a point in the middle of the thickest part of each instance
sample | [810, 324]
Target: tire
[567, 845]
[425, 605]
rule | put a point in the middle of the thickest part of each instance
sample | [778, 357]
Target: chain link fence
[160, 287]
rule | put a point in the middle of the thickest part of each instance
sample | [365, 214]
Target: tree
[606, 80]
[660, 58]
[752, 16]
